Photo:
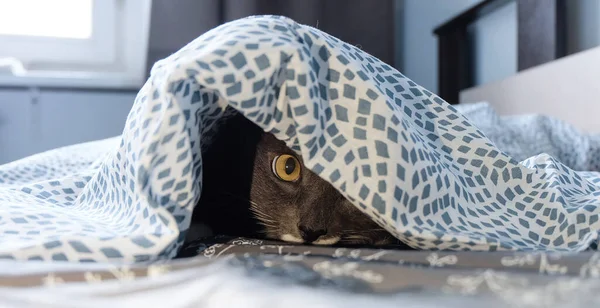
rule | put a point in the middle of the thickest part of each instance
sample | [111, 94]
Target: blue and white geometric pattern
[397, 151]
[523, 136]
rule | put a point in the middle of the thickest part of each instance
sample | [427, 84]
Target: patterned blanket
[274, 274]
[401, 154]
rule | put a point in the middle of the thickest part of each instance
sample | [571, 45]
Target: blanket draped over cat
[398, 152]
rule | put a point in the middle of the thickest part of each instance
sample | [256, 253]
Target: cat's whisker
[363, 231]
[355, 239]
[262, 215]
[256, 209]
[267, 224]
[354, 236]
[266, 220]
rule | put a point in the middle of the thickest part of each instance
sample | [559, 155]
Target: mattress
[496, 211]
[242, 272]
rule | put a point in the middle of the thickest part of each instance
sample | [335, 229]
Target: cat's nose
[310, 235]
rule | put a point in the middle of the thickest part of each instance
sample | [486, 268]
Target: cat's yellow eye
[286, 167]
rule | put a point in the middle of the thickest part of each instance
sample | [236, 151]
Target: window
[59, 18]
[74, 43]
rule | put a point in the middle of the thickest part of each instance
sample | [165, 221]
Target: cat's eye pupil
[286, 168]
[290, 165]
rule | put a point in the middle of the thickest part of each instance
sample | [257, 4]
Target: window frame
[113, 57]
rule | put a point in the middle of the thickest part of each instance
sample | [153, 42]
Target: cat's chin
[290, 238]
[324, 241]
[327, 241]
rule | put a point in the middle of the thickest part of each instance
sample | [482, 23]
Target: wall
[583, 18]
[495, 52]
[173, 26]
[32, 123]
[573, 84]
[419, 44]
[496, 37]
[167, 36]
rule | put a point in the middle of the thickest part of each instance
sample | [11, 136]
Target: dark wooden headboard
[541, 32]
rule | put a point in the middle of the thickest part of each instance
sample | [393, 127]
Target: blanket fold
[409, 160]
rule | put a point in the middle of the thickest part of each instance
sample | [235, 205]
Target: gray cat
[255, 186]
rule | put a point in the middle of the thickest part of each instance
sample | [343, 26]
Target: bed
[103, 223]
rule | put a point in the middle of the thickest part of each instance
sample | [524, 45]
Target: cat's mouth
[328, 240]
